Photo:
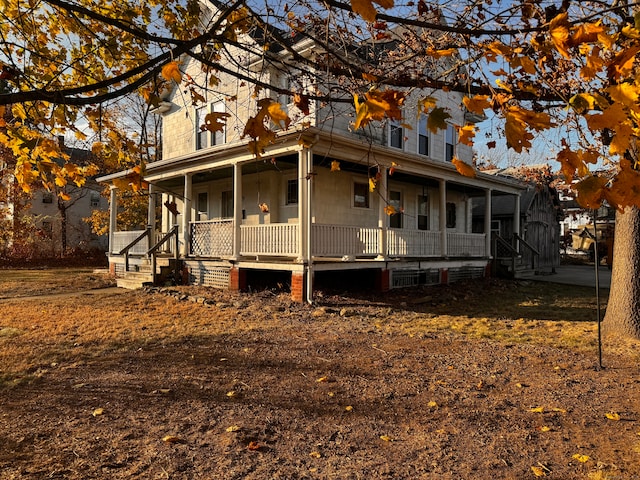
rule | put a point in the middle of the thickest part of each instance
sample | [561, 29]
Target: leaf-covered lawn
[477, 380]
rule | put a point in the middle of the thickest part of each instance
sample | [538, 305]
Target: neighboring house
[57, 225]
[540, 214]
[239, 217]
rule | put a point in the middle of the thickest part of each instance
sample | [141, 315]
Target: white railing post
[151, 215]
[186, 214]
[443, 217]
[113, 216]
[303, 207]
[383, 218]
[487, 221]
[237, 210]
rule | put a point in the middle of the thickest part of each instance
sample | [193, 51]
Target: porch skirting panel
[208, 274]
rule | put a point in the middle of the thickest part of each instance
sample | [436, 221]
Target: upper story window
[205, 138]
[396, 134]
[95, 199]
[450, 143]
[47, 197]
[423, 136]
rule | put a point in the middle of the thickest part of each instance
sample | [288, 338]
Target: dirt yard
[482, 380]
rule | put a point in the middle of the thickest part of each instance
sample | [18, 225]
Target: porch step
[135, 280]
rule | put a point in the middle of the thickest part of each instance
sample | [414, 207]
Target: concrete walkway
[583, 275]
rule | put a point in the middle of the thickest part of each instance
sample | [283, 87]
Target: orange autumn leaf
[477, 104]
[559, 31]
[372, 184]
[335, 166]
[254, 446]
[302, 102]
[214, 121]
[466, 134]
[538, 472]
[377, 105]
[590, 191]
[171, 72]
[390, 210]
[437, 120]
[622, 64]
[366, 10]
[463, 168]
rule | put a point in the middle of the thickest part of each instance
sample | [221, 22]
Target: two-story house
[309, 207]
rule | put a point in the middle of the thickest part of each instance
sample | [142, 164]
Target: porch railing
[276, 239]
[341, 240]
[413, 243]
[122, 239]
[214, 238]
[211, 238]
[466, 245]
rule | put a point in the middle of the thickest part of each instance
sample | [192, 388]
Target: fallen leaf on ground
[386, 438]
[233, 428]
[538, 472]
[98, 411]
[172, 439]
[612, 416]
[581, 458]
[253, 446]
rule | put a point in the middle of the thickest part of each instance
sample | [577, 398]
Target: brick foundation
[444, 276]
[237, 279]
[383, 280]
[112, 269]
[297, 287]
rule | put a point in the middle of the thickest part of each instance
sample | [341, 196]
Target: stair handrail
[173, 233]
[125, 250]
[512, 251]
[534, 251]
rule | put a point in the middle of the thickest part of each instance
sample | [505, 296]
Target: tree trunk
[623, 309]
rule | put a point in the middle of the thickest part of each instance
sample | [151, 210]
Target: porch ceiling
[280, 164]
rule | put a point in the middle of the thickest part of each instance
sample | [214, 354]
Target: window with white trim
[423, 136]
[205, 138]
[395, 201]
[292, 191]
[396, 134]
[423, 212]
[450, 143]
[360, 195]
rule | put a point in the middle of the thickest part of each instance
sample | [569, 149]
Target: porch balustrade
[341, 240]
[124, 238]
[212, 238]
[413, 243]
[276, 239]
[466, 244]
[215, 239]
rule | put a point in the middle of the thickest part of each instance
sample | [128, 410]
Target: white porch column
[443, 217]
[237, 210]
[113, 216]
[303, 205]
[151, 215]
[308, 222]
[516, 215]
[487, 220]
[383, 218]
[186, 215]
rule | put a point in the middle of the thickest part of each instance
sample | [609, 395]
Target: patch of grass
[23, 283]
